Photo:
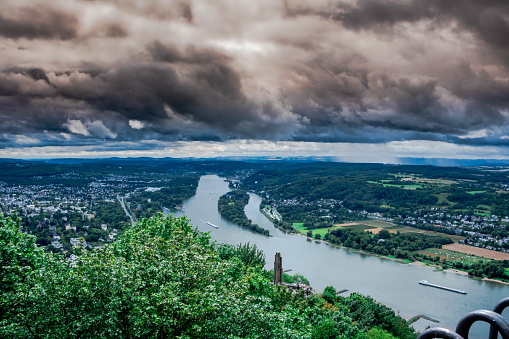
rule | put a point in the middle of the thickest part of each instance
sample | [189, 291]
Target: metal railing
[498, 324]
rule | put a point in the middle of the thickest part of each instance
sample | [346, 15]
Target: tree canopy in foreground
[164, 279]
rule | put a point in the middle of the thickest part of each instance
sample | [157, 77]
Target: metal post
[439, 332]
[492, 318]
[499, 308]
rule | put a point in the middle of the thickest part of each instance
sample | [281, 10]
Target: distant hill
[147, 161]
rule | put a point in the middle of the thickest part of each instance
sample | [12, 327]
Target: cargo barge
[425, 283]
[211, 224]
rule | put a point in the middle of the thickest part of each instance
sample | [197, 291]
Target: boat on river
[425, 283]
[211, 224]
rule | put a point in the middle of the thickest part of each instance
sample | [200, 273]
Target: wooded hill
[164, 279]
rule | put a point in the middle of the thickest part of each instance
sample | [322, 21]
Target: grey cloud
[207, 95]
[115, 30]
[485, 19]
[8, 87]
[41, 22]
[479, 86]
[187, 12]
[309, 72]
[191, 55]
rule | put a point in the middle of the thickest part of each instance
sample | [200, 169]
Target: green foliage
[401, 245]
[487, 268]
[368, 314]
[248, 253]
[329, 294]
[378, 333]
[384, 234]
[19, 258]
[18, 254]
[161, 279]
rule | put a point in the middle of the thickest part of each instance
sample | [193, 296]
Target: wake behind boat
[211, 224]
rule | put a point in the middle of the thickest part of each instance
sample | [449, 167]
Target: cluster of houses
[56, 199]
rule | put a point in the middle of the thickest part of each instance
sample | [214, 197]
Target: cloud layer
[82, 72]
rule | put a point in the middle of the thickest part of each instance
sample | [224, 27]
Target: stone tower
[278, 269]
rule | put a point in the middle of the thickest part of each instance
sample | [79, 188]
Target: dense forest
[359, 188]
[164, 279]
[231, 207]
[354, 190]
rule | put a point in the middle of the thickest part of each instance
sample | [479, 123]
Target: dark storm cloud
[480, 87]
[8, 87]
[347, 94]
[353, 71]
[209, 93]
[40, 22]
[486, 19]
[187, 12]
[116, 30]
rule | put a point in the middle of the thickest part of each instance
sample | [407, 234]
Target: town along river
[390, 282]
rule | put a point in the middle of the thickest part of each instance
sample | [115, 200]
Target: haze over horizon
[368, 80]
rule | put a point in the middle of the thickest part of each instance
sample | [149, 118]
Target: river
[393, 283]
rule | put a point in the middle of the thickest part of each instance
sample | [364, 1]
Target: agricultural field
[378, 223]
[450, 255]
[418, 179]
[323, 231]
[356, 226]
[479, 252]
[442, 197]
[375, 226]
[484, 210]
[382, 182]
[393, 228]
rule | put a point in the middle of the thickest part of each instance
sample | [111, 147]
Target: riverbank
[403, 261]
[385, 280]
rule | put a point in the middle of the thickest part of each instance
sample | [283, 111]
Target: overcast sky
[370, 78]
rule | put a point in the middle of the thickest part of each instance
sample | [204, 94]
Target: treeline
[231, 207]
[400, 245]
[350, 183]
[164, 279]
[484, 268]
[352, 188]
[406, 245]
[283, 225]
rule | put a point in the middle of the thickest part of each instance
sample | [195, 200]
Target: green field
[373, 223]
[360, 227]
[442, 197]
[450, 255]
[484, 210]
[411, 186]
[405, 229]
[378, 223]
[476, 192]
[323, 231]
